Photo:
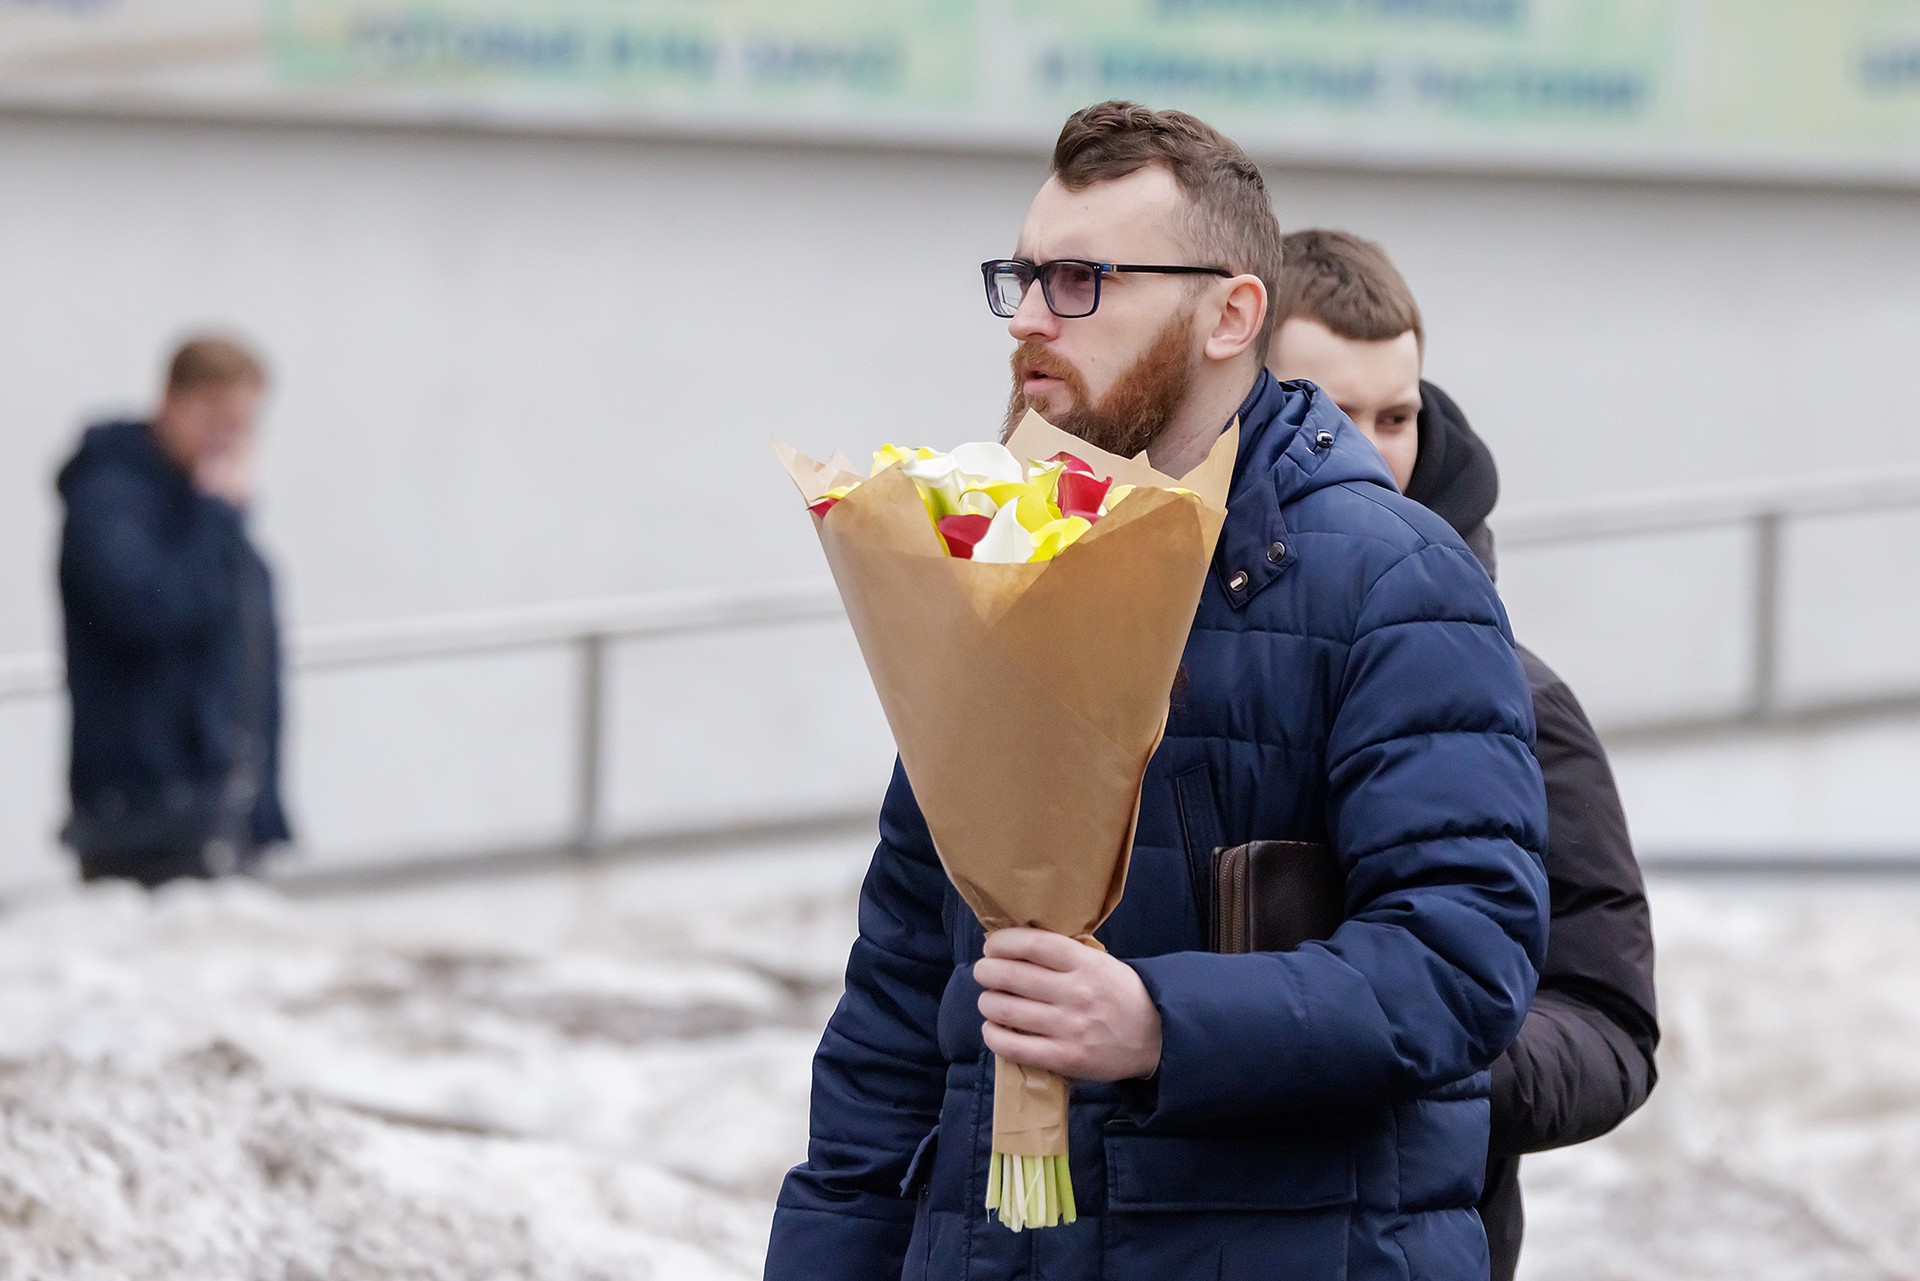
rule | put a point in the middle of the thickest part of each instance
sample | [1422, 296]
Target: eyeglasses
[1071, 286]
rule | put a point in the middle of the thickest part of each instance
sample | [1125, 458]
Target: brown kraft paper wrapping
[1026, 700]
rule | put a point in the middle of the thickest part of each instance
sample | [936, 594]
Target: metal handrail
[1762, 504]
[1764, 508]
[1732, 503]
[655, 614]
[23, 675]
[590, 627]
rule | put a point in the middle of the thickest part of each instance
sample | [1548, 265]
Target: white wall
[520, 369]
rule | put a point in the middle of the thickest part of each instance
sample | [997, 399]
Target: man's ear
[1238, 325]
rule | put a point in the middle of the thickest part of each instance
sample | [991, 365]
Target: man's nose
[1033, 320]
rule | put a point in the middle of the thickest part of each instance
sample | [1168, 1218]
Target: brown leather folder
[1272, 896]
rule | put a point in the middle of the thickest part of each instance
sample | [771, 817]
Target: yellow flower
[1058, 535]
[887, 455]
[1033, 500]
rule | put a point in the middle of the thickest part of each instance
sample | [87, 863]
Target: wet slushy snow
[603, 1073]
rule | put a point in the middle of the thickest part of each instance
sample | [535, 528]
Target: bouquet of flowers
[1022, 609]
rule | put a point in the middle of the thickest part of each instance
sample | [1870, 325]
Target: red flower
[1073, 465]
[1081, 493]
[962, 532]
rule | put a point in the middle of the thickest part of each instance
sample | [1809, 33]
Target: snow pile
[603, 1073]
[595, 1074]
[1783, 1143]
[202, 1167]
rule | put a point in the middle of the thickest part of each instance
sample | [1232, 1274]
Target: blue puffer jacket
[158, 581]
[1317, 1114]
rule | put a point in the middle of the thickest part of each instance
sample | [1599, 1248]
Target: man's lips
[1039, 373]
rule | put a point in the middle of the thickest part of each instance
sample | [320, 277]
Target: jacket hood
[1293, 441]
[1294, 433]
[1454, 475]
[123, 445]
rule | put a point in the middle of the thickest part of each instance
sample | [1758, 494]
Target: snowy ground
[602, 1074]
[1783, 1143]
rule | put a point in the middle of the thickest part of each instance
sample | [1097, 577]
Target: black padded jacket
[1585, 1056]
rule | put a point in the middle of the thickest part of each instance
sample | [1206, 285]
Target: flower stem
[1030, 1191]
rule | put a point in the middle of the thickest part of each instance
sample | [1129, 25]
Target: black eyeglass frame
[1043, 272]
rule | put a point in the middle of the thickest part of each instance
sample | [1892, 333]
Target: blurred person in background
[173, 655]
[1585, 1057]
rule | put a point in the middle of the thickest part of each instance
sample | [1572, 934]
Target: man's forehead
[1132, 219]
[1377, 374]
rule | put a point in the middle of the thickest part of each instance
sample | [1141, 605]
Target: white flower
[1007, 541]
[939, 480]
[987, 461]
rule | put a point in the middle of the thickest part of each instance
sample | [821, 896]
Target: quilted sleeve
[1436, 811]
[1584, 1059]
[878, 1076]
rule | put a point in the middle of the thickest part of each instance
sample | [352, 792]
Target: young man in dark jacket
[1319, 1114]
[173, 655]
[1584, 1059]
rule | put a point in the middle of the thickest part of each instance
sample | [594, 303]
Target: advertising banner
[1787, 87]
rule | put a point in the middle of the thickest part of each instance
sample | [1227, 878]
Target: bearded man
[1313, 1114]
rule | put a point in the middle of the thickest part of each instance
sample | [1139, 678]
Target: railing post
[1765, 694]
[588, 828]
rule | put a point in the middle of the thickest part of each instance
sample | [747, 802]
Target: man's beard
[1141, 404]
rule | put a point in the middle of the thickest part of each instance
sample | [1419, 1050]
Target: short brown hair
[1231, 223]
[1347, 284]
[212, 360]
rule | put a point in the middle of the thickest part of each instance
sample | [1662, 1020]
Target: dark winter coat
[173, 659]
[1584, 1059]
[1316, 1115]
